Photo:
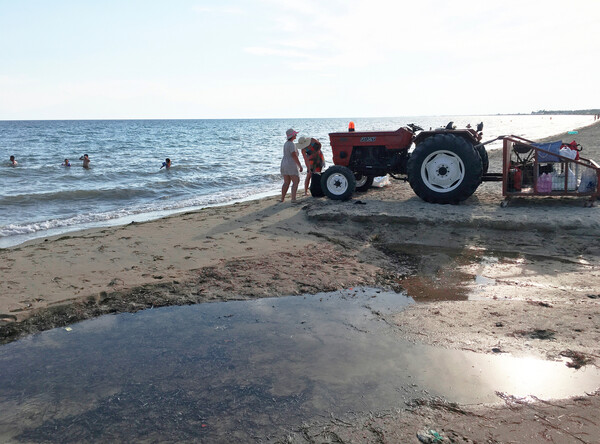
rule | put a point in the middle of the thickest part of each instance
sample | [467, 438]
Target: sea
[214, 162]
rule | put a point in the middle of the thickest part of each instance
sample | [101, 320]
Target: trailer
[549, 169]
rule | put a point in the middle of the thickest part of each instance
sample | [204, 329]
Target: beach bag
[552, 147]
[315, 185]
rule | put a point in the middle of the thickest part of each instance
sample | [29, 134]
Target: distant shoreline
[142, 119]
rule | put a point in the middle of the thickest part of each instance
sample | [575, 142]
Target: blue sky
[301, 58]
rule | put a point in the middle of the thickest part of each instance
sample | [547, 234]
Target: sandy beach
[523, 280]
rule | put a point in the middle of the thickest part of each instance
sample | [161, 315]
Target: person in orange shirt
[313, 158]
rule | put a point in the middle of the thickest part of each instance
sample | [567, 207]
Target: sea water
[213, 162]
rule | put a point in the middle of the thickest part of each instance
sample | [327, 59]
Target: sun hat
[290, 133]
[303, 142]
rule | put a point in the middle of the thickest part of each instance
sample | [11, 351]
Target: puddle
[482, 280]
[437, 272]
[235, 371]
[451, 274]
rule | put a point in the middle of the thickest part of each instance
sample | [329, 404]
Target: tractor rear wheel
[444, 169]
[485, 161]
[363, 182]
[338, 182]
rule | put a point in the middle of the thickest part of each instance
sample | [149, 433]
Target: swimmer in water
[13, 161]
[166, 164]
[66, 163]
[86, 161]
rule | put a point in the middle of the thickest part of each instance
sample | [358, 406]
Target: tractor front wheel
[338, 183]
[444, 169]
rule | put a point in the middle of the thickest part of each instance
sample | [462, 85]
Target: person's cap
[290, 133]
[303, 142]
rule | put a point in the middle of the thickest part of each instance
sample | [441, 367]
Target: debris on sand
[578, 359]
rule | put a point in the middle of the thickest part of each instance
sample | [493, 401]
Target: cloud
[341, 34]
[218, 10]
[279, 52]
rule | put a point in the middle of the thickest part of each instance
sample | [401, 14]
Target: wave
[163, 206]
[76, 195]
[144, 190]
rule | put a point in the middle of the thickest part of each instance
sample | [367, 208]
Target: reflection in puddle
[236, 370]
[448, 287]
[437, 273]
[451, 274]
[482, 280]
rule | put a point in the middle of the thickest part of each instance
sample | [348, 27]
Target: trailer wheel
[363, 182]
[485, 161]
[444, 169]
[338, 183]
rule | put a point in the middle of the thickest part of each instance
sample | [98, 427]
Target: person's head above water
[12, 160]
[166, 163]
[86, 161]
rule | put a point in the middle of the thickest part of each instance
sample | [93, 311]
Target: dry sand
[523, 280]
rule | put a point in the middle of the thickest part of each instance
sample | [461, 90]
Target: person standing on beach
[313, 158]
[86, 161]
[13, 161]
[290, 165]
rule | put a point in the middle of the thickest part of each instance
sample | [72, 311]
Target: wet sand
[522, 280]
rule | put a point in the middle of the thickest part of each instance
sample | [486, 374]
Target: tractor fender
[469, 135]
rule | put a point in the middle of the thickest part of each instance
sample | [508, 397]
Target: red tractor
[446, 165]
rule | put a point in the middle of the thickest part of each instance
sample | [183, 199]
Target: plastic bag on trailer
[544, 183]
[558, 181]
[569, 153]
[589, 181]
[381, 181]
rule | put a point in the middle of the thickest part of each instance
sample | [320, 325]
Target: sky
[194, 59]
